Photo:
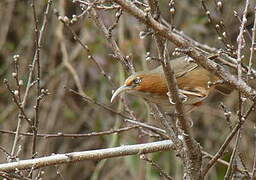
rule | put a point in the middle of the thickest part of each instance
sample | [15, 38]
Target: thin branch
[227, 141]
[222, 149]
[11, 176]
[232, 158]
[240, 21]
[225, 163]
[241, 45]
[241, 42]
[171, 129]
[15, 99]
[208, 51]
[38, 77]
[222, 36]
[32, 66]
[253, 44]
[254, 158]
[7, 154]
[147, 126]
[126, 118]
[71, 68]
[117, 52]
[123, 150]
[30, 76]
[68, 135]
[162, 172]
[66, 23]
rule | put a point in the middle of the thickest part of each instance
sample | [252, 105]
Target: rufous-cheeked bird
[193, 82]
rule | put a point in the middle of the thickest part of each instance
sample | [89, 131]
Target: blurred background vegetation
[65, 112]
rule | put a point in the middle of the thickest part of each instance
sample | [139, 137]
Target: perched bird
[193, 83]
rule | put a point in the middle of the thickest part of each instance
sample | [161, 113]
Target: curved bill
[119, 91]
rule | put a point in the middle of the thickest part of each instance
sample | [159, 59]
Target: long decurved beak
[119, 91]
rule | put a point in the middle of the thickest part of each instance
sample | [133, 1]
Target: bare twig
[147, 126]
[254, 159]
[243, 164]
[15, 99]
[126, 118]
[207, 155]
[37, 59]
[241, 45]
[66, 22]
[172, 10]
[227, 114]
[232, 158]
[172, 131]
[32, 66]
[71, 69]
[10, 176]
[240, 21]
[162, 172]
[222, 149]
[68, 135]
[30, 76]
[117, 52]
[253, 44]
[227, 141]
[222, 36]
[8, 155]
[114, 25]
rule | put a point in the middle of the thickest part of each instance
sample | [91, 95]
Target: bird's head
[143, 83]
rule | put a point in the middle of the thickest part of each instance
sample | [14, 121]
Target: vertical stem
[253, 44]
[254, 159]
[16, 137]
[37, 57]
[192, 155]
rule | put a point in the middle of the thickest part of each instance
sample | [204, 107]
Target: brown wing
[180, 66]
[194, 78]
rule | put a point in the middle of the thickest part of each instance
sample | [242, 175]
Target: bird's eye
[137, 80]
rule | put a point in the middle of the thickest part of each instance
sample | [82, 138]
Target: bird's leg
[210, 83]
[182, 50]
[170, 98]
[182, 97]
[214, 56]
[165, 120]
[190, 123]
[145, 33]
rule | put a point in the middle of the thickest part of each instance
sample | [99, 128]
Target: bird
[194, 83]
